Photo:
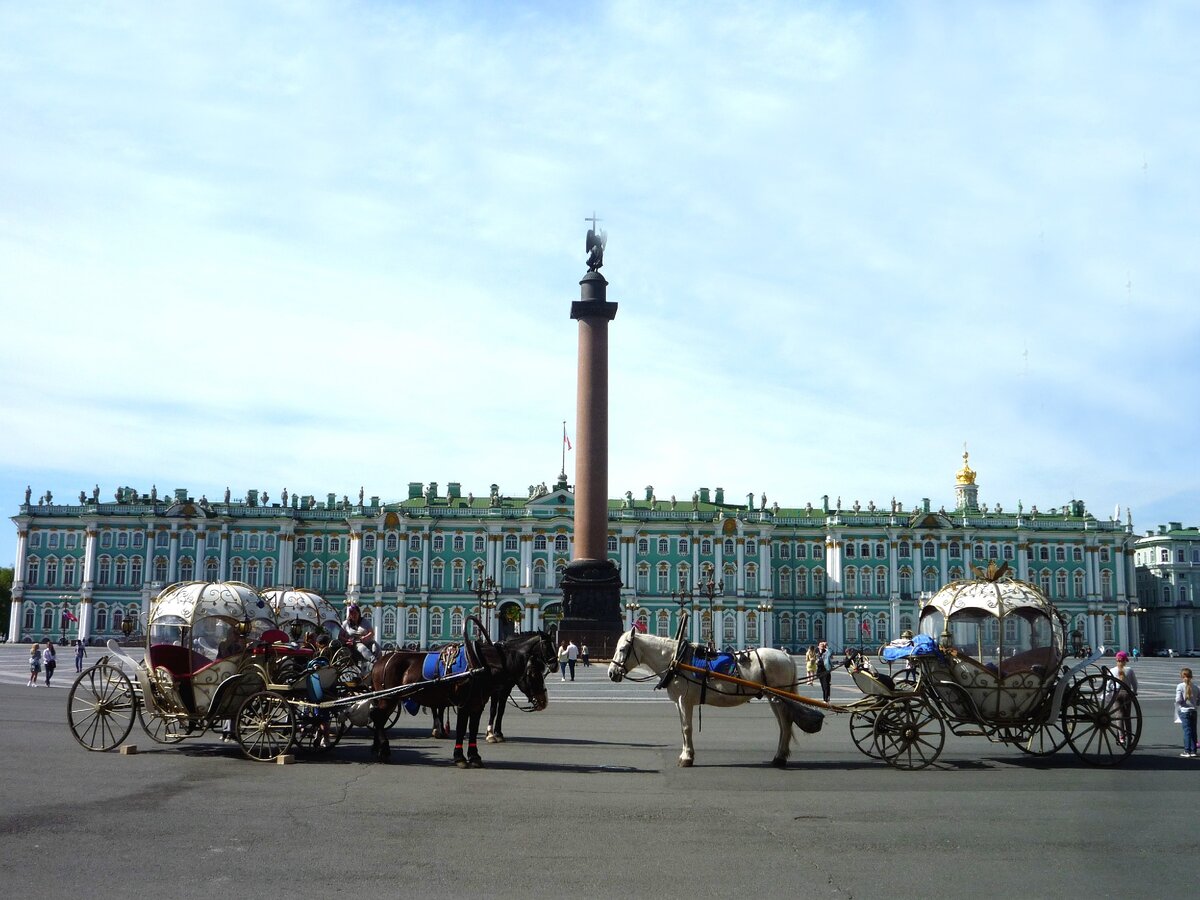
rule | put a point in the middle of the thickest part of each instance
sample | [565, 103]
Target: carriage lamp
[296, 629]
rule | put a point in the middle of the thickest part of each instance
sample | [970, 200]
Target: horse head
[530, 654]
[620, 665]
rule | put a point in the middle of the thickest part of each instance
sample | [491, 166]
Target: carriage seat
[1039, 661]
[179, 661]
[873, 684]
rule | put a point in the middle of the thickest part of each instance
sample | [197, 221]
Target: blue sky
[319, 246]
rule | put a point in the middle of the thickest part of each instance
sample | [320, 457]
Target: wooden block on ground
[285, 760]
[128, 749]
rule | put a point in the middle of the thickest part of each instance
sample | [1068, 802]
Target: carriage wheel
[161, 729]
[349, 673]
[265, 726]
[101, 707]
[395, 716]
[909, 733]
[862, 731]
[1039, 740]
[1092, 721]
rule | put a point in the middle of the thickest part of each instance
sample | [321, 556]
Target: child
[35, 665]
[1187, 696]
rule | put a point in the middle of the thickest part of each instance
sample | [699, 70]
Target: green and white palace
[752, 574]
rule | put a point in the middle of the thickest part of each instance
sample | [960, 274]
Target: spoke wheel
[909, 734]
[1038, 740]
[349, 673]
[101, 707]
[161, 729]
[265, 726]
[905, 679]
[1092, 720]
[862, 732]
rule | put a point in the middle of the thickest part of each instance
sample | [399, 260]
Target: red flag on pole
[866, 627]
[70, 616]
[566, 440]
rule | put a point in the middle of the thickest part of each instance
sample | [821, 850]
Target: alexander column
[592, 584]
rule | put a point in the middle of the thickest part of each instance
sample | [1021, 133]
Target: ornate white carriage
[214, 658]
[989, 660]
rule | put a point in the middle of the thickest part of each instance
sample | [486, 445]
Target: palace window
[683, 546]
[239, 540]
[643, 579]
[479, 543]
[664, 546]
[510, 578]
[368, 542]
[51, 572]
[187, 570]
[459, 543]
[1044, 553]
[993, 551]
[785, 551]
[412, 624]
[106, 539]
[729, 628]
[69, 573]
[801, 551]
[252, 573]
[706, 547]
[539, 575]
[1060, 554]
[728, 547]
[435, 623]
[389, 575]
[904, 550]
[664, 623]
[163, 539]
[612, 546]
[317, 545]
[316, 577]
[802, 628]
[752, 547]
[236, 571]
[458, 576]
[456, 622]
[664, 578]
[880, 553]
[368, 574]
[729, 582]
[929, 551]
[539, 542]
[104, 571]
[392, 543]
[438, 580]
[881, 582]
[1060, 583]
[751, 628]
[1106, 585]
[864, 551]
[560, 544]
[850, 577]
[414, 576]
[510, 542]
[1077, 554]
[73, 541]
[1009, 554]
[299, 571]
[849, 551]
[802, 582]
[211, 567]
[929, 580]
[439, 543]
[255, 542]
[1078, 579]
[818, 582]
[560, 569]
[414, 542]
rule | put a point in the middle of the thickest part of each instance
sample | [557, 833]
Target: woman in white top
[1187, 698]
[1121, 696]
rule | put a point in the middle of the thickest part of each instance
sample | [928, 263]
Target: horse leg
[379, 743]
[460, 730]
[495, 735]
[439, 722]
[688, 755]
[474, 760]
[784, 748]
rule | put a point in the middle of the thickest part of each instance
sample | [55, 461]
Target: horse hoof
[475, 763]
[685, 763]
[499, 738]
[460, 763]
[492, 739]
[779, 762]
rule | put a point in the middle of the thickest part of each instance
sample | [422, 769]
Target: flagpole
[564, 448]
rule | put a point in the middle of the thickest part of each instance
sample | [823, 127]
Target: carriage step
[286, 759]
[128, 749]
[974, 732]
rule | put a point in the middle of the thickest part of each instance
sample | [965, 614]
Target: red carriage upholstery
[275, 636]
[179, 661]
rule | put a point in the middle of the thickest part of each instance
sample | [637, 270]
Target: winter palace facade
[751, 574]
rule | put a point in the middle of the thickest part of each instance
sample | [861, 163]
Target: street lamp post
[709, 589]
[764, 611]
[485, 592]
[631, 606]
[1141, 611]
[862, 611]
[684, 596]
[64, 618]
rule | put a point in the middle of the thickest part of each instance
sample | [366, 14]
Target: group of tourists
[45, 659]
[569, 653]
[818, 666]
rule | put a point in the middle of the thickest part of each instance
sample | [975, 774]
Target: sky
[329, 245]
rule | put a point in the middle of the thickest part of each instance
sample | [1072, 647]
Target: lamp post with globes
[862, 611]
[1140, 612]
[764, 613]
[709, 589]
[631, 607]
[685, 597]
[485, 592]
[64, 617]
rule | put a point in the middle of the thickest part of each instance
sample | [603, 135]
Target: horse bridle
[623, 663]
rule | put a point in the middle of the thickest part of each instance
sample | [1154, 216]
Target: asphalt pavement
[586, 798]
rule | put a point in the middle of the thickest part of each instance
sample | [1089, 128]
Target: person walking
[583, 655]
[824, 669]
[35, 665]
[1121, 696]
[48, 660]
[1187, 698]
[80, 653]
[562, 660]
[810, 663]
[572, 655]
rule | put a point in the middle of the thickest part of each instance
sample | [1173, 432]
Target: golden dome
[966, 475]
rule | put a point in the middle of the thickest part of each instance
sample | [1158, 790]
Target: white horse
[773, 668]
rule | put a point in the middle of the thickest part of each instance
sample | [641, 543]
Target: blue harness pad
[433, 667]
[722, 663]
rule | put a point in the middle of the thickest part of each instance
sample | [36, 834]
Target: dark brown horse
[519, 661]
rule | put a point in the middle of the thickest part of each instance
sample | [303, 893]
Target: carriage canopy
[995, 617]
[203, 616]
[300, 611]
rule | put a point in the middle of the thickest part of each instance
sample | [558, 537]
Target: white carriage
[215, 658]
[989, 660]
